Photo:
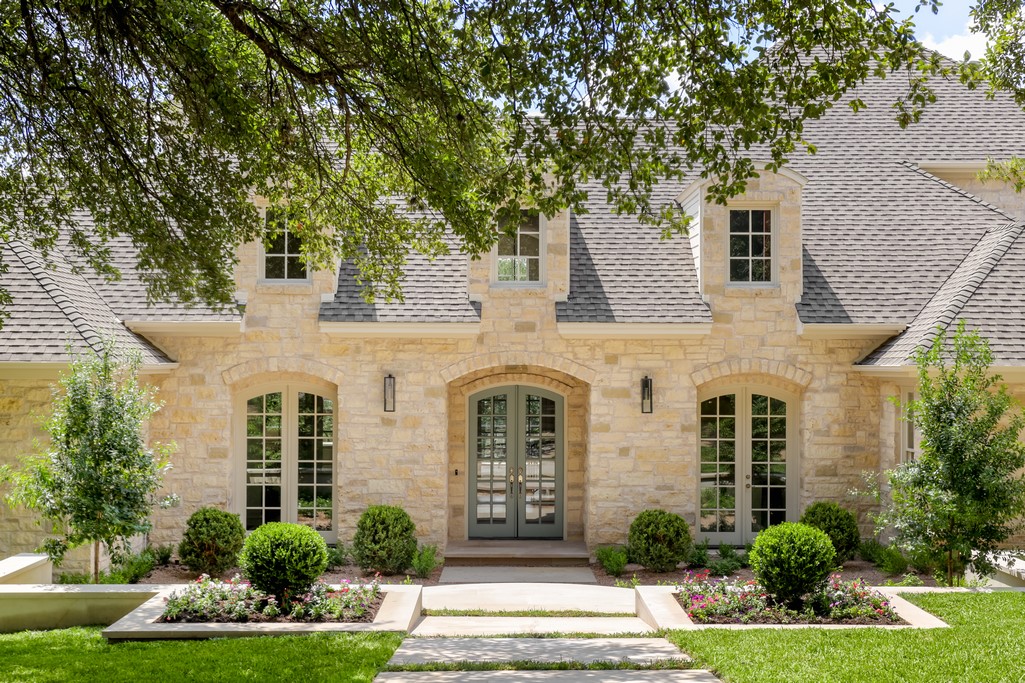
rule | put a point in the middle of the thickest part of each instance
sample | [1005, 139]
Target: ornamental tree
[163, 119]
[96, 480]
[964, 495]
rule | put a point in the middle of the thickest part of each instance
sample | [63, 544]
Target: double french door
[747, 466]
[516, 463]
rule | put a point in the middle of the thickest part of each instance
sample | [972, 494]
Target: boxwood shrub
[839, 524]
[792, 559]
[211, 542]
[659, 540]
[385, 540]
[283, 559]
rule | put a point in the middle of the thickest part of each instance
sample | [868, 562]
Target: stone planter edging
[659, 608]
[400, 611]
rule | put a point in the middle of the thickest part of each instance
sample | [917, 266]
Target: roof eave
[850, 330]
[400, 330]
[614, 330]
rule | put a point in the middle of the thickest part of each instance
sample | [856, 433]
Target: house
[585, 370]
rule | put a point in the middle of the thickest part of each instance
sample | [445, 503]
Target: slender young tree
[96, 480]
[964, 495]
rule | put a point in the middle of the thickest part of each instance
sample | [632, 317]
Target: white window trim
[910, 441]
[773, 209]
[743, 393]
[289, 448]
[262, 278]
[542, 250]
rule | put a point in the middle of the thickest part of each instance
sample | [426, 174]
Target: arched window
[286, 438]
[748, 463]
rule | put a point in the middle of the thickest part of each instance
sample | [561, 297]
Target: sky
[947, 32]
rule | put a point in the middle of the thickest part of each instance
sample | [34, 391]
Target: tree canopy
[164, 119]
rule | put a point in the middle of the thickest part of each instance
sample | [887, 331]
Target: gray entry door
[516, 463]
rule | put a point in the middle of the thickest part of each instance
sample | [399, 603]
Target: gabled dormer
[750, 247]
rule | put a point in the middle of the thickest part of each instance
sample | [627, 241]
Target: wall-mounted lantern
[389, 393]
[647, 395]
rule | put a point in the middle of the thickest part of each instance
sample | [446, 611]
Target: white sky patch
[955, 45]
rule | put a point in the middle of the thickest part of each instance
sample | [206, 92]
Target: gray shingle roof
[973, 293]
[622, 271]
[434, 291]
[56, 310]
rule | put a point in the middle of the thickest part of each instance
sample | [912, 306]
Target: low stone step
[517, 575]
[497, 626]
[643, 651]
[498, 597]
[516, 553]
[585, 676]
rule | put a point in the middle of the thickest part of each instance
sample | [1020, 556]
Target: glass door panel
[516, 464]
[490, 454]
[718, 487]
[263, 460]
[744, 482]
[768, 462]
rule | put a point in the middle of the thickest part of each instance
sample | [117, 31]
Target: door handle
[521, 479]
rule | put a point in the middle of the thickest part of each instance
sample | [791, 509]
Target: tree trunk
[96, 561]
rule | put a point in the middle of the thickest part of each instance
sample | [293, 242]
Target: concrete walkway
[443, 640]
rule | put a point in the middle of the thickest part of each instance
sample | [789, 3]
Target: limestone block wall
[619, 460]
[24, 404]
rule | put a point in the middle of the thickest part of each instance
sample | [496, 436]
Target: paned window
[750, 245]
[281, 248]
[519, 252]
[289, 447]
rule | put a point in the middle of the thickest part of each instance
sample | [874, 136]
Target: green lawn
[985, 642]
[81, 654]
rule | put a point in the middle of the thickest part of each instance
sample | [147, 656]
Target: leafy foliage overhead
[164, 119]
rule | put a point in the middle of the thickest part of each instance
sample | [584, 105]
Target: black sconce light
[647, 395]
[389, 393]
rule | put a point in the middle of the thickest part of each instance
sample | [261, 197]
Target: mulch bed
[176, 573]
[855, 569]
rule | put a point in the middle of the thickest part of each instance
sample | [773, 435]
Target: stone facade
[619, 460]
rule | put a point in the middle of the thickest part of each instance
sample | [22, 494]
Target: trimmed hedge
[385, 540]
[212, 541]
[792, 559]
[283, 559]
[838, 523]
[659, 540]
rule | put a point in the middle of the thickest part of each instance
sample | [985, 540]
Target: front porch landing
[516, 553]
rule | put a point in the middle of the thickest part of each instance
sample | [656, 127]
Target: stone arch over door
[576, 394]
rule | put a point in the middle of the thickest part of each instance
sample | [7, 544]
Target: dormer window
[751, 246]
[518, 254]
[281, 248]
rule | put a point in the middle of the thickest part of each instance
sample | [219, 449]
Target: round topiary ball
[792, 559]
[839, 524]
[659, 540]
[211, 542]
[385, 540]
[283, 559]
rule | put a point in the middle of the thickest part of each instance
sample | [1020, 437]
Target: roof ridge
[59, 296]
[956, 188]
[957, 303]
[948, 304]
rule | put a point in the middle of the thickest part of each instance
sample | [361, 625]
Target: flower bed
[711, 601]
[236, 601]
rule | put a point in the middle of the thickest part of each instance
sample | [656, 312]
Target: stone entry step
[613, 676]
[452, 574]
[642, 651]
[498, 626]
[516, 553]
